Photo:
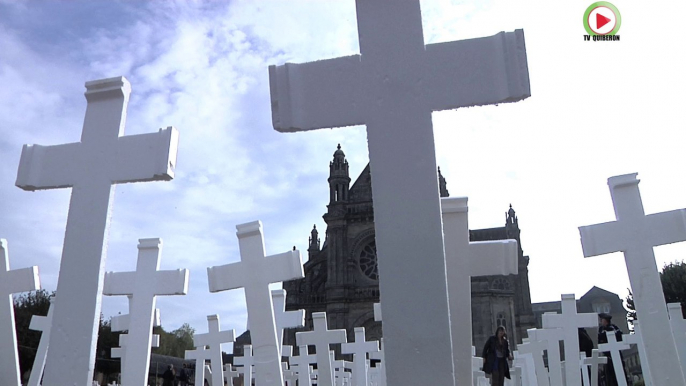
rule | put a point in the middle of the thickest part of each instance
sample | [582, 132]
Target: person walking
[495, 354]
[606, 327]
[169, 376]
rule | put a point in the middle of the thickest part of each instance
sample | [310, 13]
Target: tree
[175, 343]
[673, 279]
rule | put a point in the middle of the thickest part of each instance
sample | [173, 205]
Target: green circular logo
[602, 18]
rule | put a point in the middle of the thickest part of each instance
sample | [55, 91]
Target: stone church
[342, 277]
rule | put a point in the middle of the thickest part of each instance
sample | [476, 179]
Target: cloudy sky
[597, 109]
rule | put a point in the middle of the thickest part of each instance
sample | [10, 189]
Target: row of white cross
[359, 89]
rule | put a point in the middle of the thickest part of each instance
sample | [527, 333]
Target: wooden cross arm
[476, 72]
[146, 157]
[494, 258]
[119, 283]
[43, 167]
[315, 95]
[601, 239]
[20, 280]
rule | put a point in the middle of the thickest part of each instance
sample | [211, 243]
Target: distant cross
[552, 337]
[143, 286]
[593, 362]
[321, 337]
[635, 234]
[614, 348]
[254, 273]
[393, 87]
[230, 373]
[341, 376]
[245, 363]
[536, 349]
[678, 325]
[285, 319]
[301, 363]
[381, 365]
[516, 374]
[91, 167]
[637, 339]
[569, 322]
[42, 324]
[464, 260]
[289, 376]
[11, 282]
[477, 366]
[199, 355]
[214, 338]
[377, 312]
[360, 348]
[528, 368]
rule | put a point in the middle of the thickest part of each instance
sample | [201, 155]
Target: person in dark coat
[496, 353]
[169, 376]
[585, 342]
[606, 327]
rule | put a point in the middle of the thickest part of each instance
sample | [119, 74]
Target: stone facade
[341, 275]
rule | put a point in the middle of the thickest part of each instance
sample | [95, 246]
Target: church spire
[339, 179]
[314, 240]
[442, 185]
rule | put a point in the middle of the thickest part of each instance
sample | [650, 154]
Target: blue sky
[597, 109]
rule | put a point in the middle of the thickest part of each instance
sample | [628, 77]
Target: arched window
[501, 319]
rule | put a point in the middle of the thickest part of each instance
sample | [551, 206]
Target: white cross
[528, 370]
[254, 273]
[381, 366]
[614, 348]
[635, 234]
[143, 286]
[341, 376]
[301, 363]
[42, 324]
[552, 337]
[637, 339]
[11, 282]
[283, 318]
[91, 167]
[393, 86]
[594, 361]
[465, 259]
[359, 349]
[321, 337]
[120, 352]
[199, 355]
[515, 373]
[569, 322]
[678, 326]
[536, 348]
[245, 363]
[121, 323]
[477, 365]
[377, 312]
[289, 376]
[230, 374]
[214, 338]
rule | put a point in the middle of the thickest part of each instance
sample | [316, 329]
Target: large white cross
[42, 324]
[245, 363]
[635, 234]
[285, 319]
[11, 282]
[254, 273]
[552, 337]
[359, 349]
[614, 347]
[392, 87]
[381, 365]
[465, 259]
[321, 337]
[91, 167]
[302, 363]
[536, 348]
[637, 339]
[214, 338]
[143, 286]
[569, 322]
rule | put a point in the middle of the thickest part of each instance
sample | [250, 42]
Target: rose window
[368, 263]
